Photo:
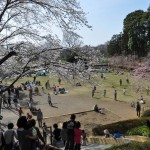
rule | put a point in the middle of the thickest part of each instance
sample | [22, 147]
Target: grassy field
[111, 80]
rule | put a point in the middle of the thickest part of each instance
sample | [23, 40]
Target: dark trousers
[70, 143]
[138, 113]
[77, 147]
[8, 146]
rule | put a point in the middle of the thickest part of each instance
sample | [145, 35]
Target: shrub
[146, 113]
[142, 130]
[132, 146]
[121, 126]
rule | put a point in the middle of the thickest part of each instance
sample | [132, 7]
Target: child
[77, 136]
[29, 117]
[20, 112]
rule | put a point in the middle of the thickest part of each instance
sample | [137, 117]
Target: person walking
[39, 117]
[49, 100]
[138, 109]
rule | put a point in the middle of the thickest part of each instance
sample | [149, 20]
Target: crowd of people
[28, 136]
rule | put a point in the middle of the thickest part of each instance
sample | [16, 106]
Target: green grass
[141, 130]
[111, 79]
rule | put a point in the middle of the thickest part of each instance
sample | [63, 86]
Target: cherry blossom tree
[26, 32]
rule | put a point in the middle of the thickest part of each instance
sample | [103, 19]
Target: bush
[121, 126]
[142, 131]
[132, 146]
[146, 113]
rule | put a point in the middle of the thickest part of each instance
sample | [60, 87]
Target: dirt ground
[88, 120]
[64, 105]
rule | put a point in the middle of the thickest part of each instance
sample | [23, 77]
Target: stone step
[107, 141]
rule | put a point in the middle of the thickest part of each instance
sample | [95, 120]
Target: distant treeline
[135, 37]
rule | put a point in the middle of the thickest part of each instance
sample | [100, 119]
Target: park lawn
[84, 91]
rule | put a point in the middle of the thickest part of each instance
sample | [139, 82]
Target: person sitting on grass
[142, 100]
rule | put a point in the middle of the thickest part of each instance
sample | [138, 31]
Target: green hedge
[141, 130]
[132, 146]
[146, 113]
[121, 126]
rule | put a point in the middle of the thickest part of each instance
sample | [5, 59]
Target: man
[70, 133]
[49, 100]
[39, 117]
[39, 135]
[138, 109]
[59, 81]
[120, 82]
[9, 137]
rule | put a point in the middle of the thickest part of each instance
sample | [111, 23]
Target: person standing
[70, 133]
[93, 92]
[9, 101]
[9, 137]
[2, 141]
[56, 134]
[115, 95]
[20, 111]
[39, 117]
[138, 109]
[30, 94]
[59, 81]
[34, 78]
[77, 136]
[44, 127]
[124, 91]
[120, 82]
[63, 133]
[105, 93]
[148, 90]
[15, 101]
[49, 100]
[39, 135]
[17, 92]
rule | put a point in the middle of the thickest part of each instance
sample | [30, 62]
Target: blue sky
[106, 17]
